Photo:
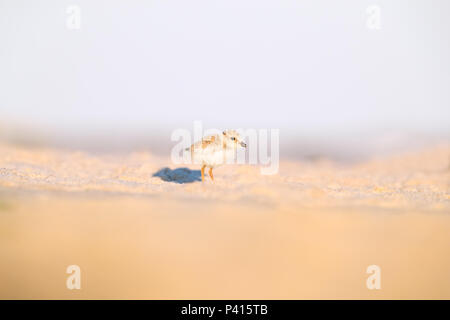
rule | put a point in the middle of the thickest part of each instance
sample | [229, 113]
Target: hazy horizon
[312, 65]
[132, 73]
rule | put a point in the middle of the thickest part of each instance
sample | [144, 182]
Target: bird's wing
[206, 141]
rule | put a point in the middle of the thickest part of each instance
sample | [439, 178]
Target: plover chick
[214, 150]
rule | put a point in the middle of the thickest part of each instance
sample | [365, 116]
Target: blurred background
[90, 92]
[122, 75]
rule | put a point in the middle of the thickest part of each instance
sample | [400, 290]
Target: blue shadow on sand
[179, 175]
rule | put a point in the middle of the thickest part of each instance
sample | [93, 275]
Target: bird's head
[233, 138]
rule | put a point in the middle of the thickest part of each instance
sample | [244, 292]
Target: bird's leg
[210, 174]
[203, 173]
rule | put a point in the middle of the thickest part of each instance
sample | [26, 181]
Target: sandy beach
[142, 228]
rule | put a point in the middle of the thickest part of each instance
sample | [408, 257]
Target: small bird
[214, 150]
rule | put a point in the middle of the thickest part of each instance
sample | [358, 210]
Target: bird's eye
[233, 138]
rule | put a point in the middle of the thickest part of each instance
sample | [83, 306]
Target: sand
[142, 228]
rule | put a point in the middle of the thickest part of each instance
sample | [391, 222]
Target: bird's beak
[243, 144]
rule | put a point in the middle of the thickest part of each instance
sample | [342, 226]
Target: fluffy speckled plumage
[215, 150]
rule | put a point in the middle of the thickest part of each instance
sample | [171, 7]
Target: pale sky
[311, 66]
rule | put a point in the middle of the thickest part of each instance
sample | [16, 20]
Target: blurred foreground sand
[308, 232]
